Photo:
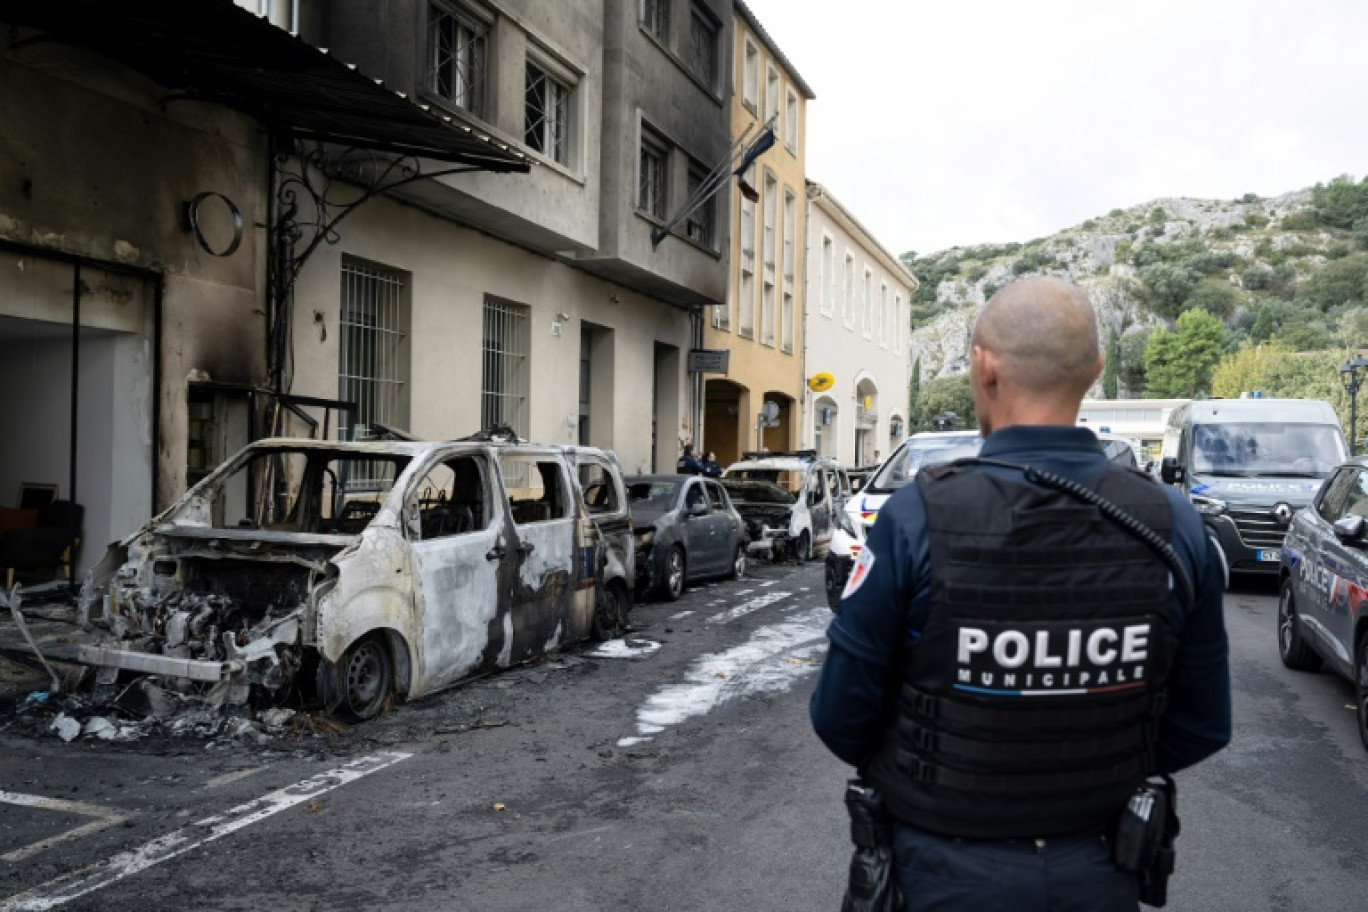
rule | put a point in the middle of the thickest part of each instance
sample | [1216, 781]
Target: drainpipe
[696, 380]
[809, 430]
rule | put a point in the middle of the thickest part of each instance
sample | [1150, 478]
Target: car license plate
[1268, 556]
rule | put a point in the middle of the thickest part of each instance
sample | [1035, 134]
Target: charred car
[355, 573]
[686, 528]
[790, 501]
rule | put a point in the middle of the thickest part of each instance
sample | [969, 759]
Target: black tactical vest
[1029, 706]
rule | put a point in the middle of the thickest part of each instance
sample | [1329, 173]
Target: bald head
[1043, 336]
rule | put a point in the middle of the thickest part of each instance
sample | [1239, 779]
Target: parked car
[1323, 576]
[686, 529]
[1119, 450]
[1247, 465]
[789, 501]
[358, 572]
[861, 509]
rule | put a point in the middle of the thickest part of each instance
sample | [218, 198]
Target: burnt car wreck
[345, 575]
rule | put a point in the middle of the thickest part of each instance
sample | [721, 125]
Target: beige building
[762, 321]
[859, 297]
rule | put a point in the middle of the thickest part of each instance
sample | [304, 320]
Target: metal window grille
[702, 56]
[547, 104]
[655, 18]
[700, 226]
[651, 192]
[457, 61]
[373, 358]
[504, 378]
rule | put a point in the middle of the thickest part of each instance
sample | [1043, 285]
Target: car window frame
[1330, 511]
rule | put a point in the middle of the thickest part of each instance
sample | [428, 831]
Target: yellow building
[762, 322]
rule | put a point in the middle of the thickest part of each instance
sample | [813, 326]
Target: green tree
[1166, 287]
[1179, 364]
[1215, 296]
[1247, 369]
[1111, 367]
[948, 394]
[1341, 202]
[914, 398]
[1337, 283]
[1131, 366]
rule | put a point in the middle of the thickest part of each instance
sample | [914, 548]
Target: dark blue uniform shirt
[889, 609]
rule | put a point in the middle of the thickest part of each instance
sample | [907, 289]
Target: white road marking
[636, 648]
[747, 607]
[682, 614]
[762, 664]
[744, 592]
[234, 776]
[804, 588]
[101, 874]
[769, 582]
[104, 819]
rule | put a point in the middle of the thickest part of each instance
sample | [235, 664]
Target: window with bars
[651, 176]
[547, 107]
[750, 78]
[505, 373]
[701, 225]
[701, 56]
[373, 347]
[655, 18]
[457, 65]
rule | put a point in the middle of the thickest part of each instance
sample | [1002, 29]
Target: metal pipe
[75, 411]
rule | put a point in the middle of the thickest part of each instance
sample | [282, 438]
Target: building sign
[709, 360]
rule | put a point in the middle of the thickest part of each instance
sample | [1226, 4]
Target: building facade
[762, 321]
[859, 297]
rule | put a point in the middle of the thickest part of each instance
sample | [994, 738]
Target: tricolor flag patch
[859, 573]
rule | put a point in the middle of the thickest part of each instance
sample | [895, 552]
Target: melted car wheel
[672, 586]
[362, 681]
[804, 552]
[609, 616]
[738, 568]
[1292, 648]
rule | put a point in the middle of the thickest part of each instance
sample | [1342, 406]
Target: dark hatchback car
[1323, 575]
[686, 529]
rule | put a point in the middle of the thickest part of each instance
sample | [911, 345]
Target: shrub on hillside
[1303, 220]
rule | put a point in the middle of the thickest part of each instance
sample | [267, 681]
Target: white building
[1142, 419]
[858, 295]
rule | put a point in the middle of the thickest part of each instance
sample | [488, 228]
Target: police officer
[689, 464]
[1007, 664]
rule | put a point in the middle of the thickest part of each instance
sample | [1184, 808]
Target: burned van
[352, 573]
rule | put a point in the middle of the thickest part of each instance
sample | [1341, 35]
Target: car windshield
[1267, 448]
[652, 495]
[790, 480]
[918, 452]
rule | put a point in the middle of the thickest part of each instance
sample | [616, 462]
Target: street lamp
[1349, 376]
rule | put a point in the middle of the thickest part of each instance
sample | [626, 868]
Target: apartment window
[786, 320]
[771, 94]
[745, 303]
[750, 75]
[767, 313]
[745, 312]
[456, 58]
[848, 301]
[505, 373]
[373, 356]
[791, 121]
[701, 224]
[547, 105]
[701, 58]
[790, 226]
[897, 323]
[768, 203]
[828, 278]
[651, 177]
[867, 304]
[883, 316]
[655, 18]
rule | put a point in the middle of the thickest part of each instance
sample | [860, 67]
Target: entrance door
[539, 499]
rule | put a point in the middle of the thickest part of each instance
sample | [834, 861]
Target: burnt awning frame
[217, 52]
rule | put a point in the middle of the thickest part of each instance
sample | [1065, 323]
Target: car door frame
[700, 532]
[1322, 581]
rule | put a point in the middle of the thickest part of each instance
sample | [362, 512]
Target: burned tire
[738, 567]
[610, 612]
[1292, 647]
[360, 685]
[803, 552]
[834, 579]
[672, 579]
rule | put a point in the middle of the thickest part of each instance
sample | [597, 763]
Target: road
[671, 771]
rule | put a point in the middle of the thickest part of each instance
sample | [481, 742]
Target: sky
[948, 122]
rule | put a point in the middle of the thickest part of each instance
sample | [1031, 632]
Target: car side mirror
[1171, 471]
[1349, 529]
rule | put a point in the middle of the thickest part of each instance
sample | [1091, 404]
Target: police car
[862, 509]
[1323, 577]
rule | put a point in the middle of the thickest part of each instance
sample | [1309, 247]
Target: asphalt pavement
[672, 769]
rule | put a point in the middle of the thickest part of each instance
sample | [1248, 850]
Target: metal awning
[215, 51]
